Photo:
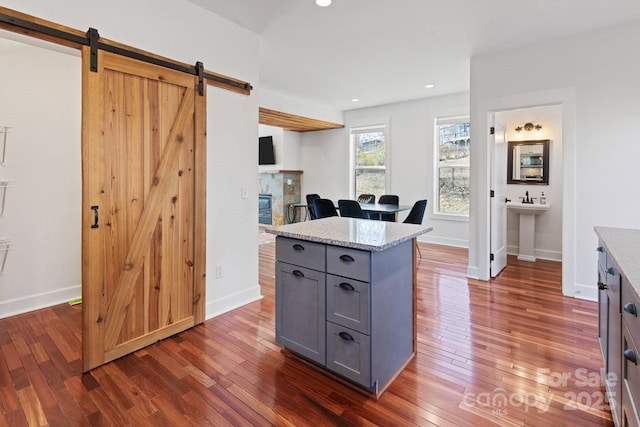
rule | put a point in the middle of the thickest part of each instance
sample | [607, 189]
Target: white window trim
[384, 126]
[436, 169]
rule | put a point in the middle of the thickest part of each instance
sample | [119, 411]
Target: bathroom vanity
[345, 297]
[618, 323]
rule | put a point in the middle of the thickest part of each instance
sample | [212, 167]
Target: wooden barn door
[143, 205]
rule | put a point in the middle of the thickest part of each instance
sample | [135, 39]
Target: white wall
[594, 77]
[181, 30]
[287, 148]
[325, 157]
[41, 101]
[548, 237]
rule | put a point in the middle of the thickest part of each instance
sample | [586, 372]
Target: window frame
[379, 127]
[436, 166]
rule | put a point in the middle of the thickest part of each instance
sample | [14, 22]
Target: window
[452, 166]
[369, 160]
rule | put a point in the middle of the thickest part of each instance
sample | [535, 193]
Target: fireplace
[264, 209]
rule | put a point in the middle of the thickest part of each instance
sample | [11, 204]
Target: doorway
[549, 226]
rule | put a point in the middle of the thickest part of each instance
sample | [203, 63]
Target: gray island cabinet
[619, 326]
[345, 296]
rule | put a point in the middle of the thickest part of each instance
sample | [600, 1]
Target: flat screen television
[266, 153]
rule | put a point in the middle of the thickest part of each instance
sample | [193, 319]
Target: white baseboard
[38, 301]
[446, 241]
[586, 292]
[472, 273]
[540, 254]
[230, 302]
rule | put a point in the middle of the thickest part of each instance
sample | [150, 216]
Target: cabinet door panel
[614, 339]
[300, 310]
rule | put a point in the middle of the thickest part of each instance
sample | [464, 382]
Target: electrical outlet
[244, 191]
[219, 271]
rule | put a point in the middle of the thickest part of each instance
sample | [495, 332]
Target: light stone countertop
[624, 246]
[365, 234]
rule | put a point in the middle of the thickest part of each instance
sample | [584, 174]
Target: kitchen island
[345, 297]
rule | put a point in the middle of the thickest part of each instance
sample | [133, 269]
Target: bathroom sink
[527, 208]
[527, 232]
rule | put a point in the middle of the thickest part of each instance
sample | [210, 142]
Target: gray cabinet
[301, 326]
[610, 327]
[367, 308]
[630, 380]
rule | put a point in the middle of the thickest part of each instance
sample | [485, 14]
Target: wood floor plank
[488, 353]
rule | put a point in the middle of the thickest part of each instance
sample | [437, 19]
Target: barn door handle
[96, 217]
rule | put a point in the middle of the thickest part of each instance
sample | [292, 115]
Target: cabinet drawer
[301, 252]
[347, 262]
[630, 369]
[349, 354]
[348, 303]
[630, 308]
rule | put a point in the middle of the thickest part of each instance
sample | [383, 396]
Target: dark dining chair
[367, 198]
[350, 209]
[324, 208]
[387, 199]
[310, 208]
[416, 215]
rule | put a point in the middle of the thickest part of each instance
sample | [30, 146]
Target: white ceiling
[386, 51]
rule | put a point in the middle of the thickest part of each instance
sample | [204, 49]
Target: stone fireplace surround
[284, 186]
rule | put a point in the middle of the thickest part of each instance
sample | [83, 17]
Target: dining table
[383, 208]
[367, 208]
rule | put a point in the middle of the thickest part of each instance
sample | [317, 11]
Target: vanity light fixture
[528, 127]
[323, 3]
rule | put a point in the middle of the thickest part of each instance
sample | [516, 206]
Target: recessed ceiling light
[323, 3]
[355, 99]
[429, 86]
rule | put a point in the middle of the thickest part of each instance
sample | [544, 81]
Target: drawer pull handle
[630, 355]
[297, 273]
[347, 258]
[602, 286]
[600, 249]
[347, 286]
[298, 247]
[611, 271]
[346, 336]
[631, 309]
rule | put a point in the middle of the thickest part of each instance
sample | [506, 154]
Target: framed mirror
[528, 162]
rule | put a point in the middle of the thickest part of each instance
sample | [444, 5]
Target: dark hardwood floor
[512, 351]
